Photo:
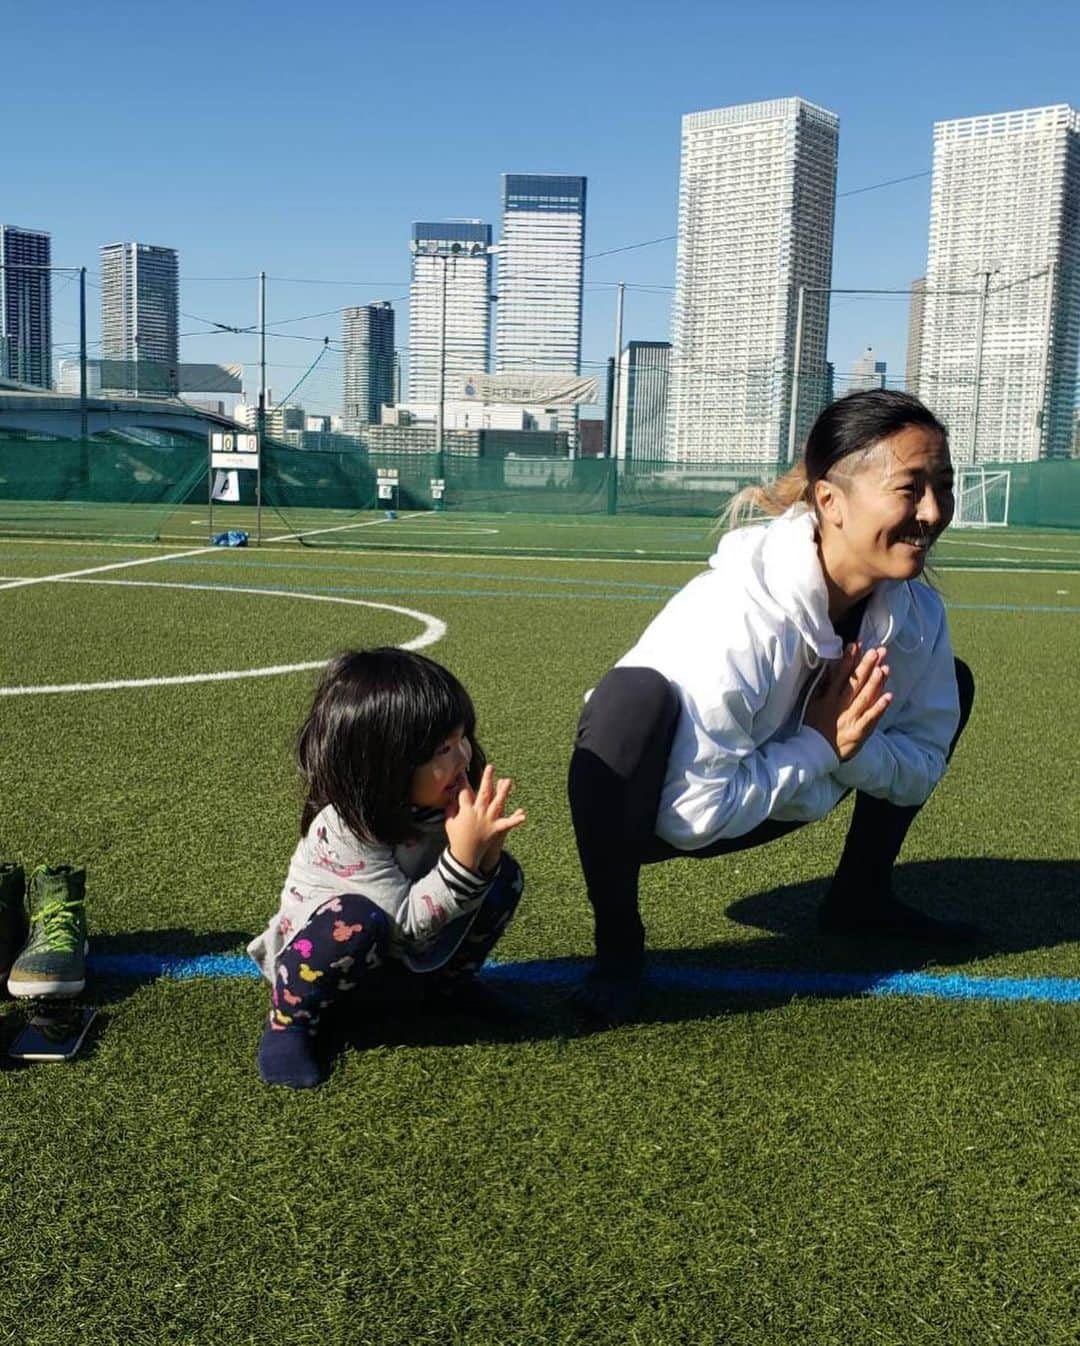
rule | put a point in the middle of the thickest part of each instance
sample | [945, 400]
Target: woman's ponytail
[769, 498]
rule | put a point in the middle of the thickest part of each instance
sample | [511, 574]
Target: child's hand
[476, 827]
[850, 699]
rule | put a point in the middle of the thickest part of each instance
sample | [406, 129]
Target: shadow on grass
[1019, 905]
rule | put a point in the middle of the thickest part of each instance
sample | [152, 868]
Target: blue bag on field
[235, 537]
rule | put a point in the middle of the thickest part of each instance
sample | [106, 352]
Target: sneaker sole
[23, 988]
[61, 990]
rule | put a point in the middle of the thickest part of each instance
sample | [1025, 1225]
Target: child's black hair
[378, 715]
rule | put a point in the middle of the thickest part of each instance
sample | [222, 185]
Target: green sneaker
[53, 960]
[13, 925]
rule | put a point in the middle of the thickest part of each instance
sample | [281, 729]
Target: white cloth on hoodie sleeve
[420, 907]
[737, 775]
[906, 756]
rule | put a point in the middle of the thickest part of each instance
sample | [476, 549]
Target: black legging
[616, 774]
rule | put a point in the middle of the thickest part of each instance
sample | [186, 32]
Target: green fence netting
[130, 485]
[114, 486]
[295, 482]
[1044, 494]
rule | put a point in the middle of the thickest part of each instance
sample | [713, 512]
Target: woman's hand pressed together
[849, 700]
[476, 826]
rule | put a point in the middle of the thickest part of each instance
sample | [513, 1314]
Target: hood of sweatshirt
[780, 565]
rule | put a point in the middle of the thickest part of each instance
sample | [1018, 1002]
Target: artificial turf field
[803, 1140]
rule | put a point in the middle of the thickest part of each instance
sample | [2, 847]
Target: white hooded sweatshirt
[743, 644]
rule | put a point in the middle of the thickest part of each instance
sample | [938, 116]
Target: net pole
[84, 418]
[976, 395]
[796, 368]
[262, 405]
[617, 392]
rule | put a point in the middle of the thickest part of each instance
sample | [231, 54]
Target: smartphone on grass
[53, 1033]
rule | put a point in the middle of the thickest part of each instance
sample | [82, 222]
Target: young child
[400, 855]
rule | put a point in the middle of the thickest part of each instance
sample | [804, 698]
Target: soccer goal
[982, 498]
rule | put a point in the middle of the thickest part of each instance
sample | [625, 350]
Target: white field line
[1003, 570]
[433, 631]
[339, 528]
[550, 555]
[175, 556]
[1011, 546]
[97, 570]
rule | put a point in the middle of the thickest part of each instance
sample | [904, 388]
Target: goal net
[982, 498]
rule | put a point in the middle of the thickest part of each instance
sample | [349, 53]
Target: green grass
[624, 536]
[731, 1169]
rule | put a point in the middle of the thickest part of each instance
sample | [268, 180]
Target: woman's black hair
[860, 420]
[851, 425]
[378, 715]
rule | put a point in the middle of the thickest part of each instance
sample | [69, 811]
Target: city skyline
[616, 120]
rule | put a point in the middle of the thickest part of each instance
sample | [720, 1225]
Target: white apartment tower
[541, 265]
[1001, 310]
[368, 339]
[541, 272]
[757, 191]
[449, 307]
[140, 301]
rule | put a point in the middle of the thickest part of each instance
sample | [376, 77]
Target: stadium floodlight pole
[1045, 391]
[796, 368]
[440, 409]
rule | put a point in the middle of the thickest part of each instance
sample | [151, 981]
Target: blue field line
[658, 592]
[664, 976]
[256, 563]
[1010, 607]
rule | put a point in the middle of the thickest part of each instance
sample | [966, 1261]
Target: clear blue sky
[303, 139]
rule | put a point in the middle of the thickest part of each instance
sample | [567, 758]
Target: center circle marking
[433, 631]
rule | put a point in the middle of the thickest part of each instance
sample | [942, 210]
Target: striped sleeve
[466, 884]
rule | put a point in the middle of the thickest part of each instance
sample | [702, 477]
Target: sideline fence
[128, 485]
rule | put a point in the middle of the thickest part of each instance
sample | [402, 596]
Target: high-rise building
[540, 278]
[140, 301]
[757, 190]
[641, 400]
[368, 338]
[1001, 311]
[449, 306]
[541, 265]
[866, 372]
[913, 362]
[25, 305]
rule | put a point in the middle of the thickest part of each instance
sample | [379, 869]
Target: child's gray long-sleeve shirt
[429, 896]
